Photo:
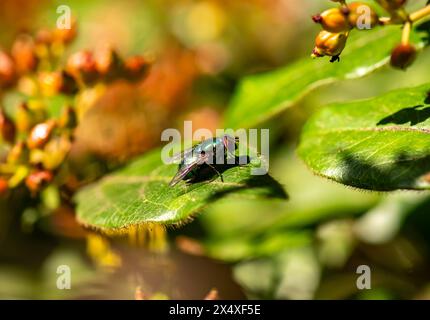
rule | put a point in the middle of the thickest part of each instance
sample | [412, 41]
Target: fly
[210, 151]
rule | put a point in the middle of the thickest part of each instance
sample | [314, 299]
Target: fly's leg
[191, 175]
[335, 58]
[219, 174]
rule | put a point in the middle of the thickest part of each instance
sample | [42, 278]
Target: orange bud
[66, 35]
[333, 20]
[7, 70]
[82, 65]
[40, 134]
[403, 56]
[23, 53]
[329, 44]
[135, 68]
[4, 186]
[38, 179]
[107, 63]
[355, 13]
[28, 85]
[7, 127]
[44, 36]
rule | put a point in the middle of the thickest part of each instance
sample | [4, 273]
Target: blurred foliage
[377, 144]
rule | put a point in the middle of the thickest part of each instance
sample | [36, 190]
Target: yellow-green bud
[18, 154]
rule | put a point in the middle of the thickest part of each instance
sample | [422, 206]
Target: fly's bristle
[148, 235]
[99, 250]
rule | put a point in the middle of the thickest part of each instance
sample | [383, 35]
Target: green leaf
[139, 193]
[379, 144]
[262, 96]
[249, 246]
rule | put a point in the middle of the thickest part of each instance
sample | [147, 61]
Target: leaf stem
[406, 33]
[420, 14]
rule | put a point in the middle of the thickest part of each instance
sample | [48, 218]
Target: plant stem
[419, 14]
[406, 33]
[385, 21]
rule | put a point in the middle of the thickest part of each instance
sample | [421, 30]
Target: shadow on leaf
[425, 28]
[414, 115]
[265, 183]
[402, 172]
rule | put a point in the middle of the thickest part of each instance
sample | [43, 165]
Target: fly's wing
[179, 156]
[182, 172]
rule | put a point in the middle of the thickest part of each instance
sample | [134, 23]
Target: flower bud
[135, 68]
[52, 83]
[18, 154]
[24, 120]
[108, 63]
[66, 35]
[7, 70]
[43, 41]
[4, 186]
[329, 44]
[68, 118]
[38, 179]
[333, 20]
[28, 85]
[49, 83]
[403, 56]
[55, 152]
[24, 54]
[40, 134]
[82, 65]
[44, 37]
[68, 83]
[7, 127]
[361, 15]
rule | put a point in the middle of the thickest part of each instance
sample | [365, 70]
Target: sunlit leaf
[380, 144]
[140, 193]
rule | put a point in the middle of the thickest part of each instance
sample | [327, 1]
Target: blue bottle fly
[211, 152]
